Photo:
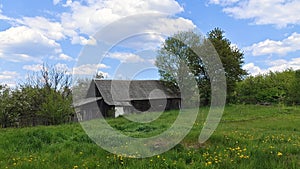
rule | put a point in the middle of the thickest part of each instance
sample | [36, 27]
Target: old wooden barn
[111, 98]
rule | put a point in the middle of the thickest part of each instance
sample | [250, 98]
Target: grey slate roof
[121, 92]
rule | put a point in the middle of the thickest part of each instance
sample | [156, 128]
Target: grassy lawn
[248, 137]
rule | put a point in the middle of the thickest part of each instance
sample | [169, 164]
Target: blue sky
[56, 32]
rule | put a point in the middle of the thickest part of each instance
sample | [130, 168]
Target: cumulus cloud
[38, 67]
[62, 57]
[223, 2]
[143, 32]
[31, 39]
[83, 19]
[89, 69]
[253, 70]
[93, 15]
[50, 29]
[9, 78]
[282, 64]
[34, 68]
[274, 66]
[24, 44]
[8, 75]
[55, 2]
[280, 13]
[126, 57]
[65, 57]
[267, 47]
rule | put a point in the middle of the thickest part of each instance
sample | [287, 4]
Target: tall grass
[247, 137]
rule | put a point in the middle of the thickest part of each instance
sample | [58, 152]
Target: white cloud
[39, 67]
[31, 39]
[62, 56]
[223, 2]
[8, 75]
[275, 12]
[34, 68]
[24, 44]
[89, 69]
[9, 78]
[126, 57]
[34, 37]
[290, 44]
[92, 15]
[83, 41]
[65, 57]
[50, 29]
[274, 66]
[63, 67]
[145, 31]
[55, 2]
[253, 69]
[281, 64]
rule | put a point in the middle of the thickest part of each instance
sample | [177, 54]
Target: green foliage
[56, 109]
[232, 60]
[294, 92]
[45, 99]
[178, 56]
[271, 88]
[247, 137]
[7, 116]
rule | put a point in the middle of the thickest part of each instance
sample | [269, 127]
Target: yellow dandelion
[75, 166]
[208, 163]
[279, 154]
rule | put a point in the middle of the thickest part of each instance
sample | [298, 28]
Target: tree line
[271, 88]
[188, 51]
[45, 98]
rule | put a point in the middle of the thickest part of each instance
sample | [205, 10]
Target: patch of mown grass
[248, 136]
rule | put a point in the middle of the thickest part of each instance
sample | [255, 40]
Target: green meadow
[248, 136]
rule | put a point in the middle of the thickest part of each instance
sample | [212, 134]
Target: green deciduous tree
[7, 118]
[294, 92]
[193, 50]
[44, 99]
[232, 60]
[273, 87]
